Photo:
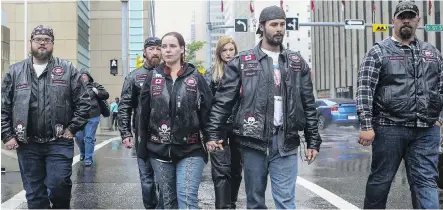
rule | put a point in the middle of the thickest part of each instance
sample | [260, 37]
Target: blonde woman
[226, 161]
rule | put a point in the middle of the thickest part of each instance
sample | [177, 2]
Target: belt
[41, 139]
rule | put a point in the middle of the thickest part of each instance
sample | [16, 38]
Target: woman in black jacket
[226, 164]
[175, 104]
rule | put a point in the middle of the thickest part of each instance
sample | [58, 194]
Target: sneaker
[88, 163]
[82, 157]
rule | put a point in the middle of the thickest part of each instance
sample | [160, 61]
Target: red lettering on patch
[141, 76]
[59, 81]
[21, 86]
[192, 139]
[58, 71]
[191, 82]
[294, 57]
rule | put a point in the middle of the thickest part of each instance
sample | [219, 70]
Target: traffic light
[139, 62]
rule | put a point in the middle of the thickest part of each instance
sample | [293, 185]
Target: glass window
[135, 14]
[136, 23]
[135, 31]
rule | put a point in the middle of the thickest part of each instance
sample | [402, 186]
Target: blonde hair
[218, 70]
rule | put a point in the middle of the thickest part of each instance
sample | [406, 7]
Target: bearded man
[129, 102]
[44, 103]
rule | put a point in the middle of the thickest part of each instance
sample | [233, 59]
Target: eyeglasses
[42, 40]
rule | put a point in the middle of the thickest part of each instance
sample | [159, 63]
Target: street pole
[336, 24]
[125, 32]
[209, 57]
[26, 29]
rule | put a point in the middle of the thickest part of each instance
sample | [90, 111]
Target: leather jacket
[66, 101]
[408, 89]
[101, 94]
[249, 80]
[129, 101]
[174, 112]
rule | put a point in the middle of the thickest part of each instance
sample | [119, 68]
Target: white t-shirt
[39, 68]
[278, 100]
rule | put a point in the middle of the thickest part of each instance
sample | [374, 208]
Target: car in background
[336, 111]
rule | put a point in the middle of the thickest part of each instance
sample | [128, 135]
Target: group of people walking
[243, 115]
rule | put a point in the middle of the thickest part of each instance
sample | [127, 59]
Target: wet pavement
[113, 182]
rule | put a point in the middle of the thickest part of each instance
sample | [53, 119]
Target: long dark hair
[181, 42]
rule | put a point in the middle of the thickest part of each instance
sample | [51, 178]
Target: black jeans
[46, 170]
[226, 168]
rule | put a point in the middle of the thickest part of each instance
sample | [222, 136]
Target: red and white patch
[428, 53]
[158, 81]
[191, 82]
[249, 57]
[58, 71]
[294, 57]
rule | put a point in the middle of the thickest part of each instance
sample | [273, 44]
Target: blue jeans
[149, 193]
[283, 173]
[47, 167]
[86, 139]
[179, 182]
[419, 148]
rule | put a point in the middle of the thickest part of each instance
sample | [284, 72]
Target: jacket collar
[260, 54]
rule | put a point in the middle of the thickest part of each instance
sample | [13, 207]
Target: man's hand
[11, 144]
[67, 134]
[366, 137]
[438, 123]
[311, 154]
[213, 145]
[95, 90]
[128, 142]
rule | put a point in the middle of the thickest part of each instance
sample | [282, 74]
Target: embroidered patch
[251, 65]
[158, 81]
[430, 59]
[250, 73]
[250, 124]
[58, 71]
[58, 130]
[59, 81]
[141, 77]
[396, 58]
[294, 57]
[191, 82]
[249, 57]
[164, 131]
[21, 86]
[20, 130]
[191, 139]
[428, 53]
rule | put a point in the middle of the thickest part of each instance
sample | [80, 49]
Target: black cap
[405, 6]
[270, 13]
[152, 41]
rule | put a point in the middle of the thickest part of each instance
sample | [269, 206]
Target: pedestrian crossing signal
[380, 27]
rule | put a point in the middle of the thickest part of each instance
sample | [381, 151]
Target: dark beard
[270, 40]
[405, 34]
[152, 63]
[41, 55]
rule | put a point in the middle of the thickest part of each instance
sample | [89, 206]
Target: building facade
[5, 45]
[66, 18]
[338, 52]
[87, 33]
